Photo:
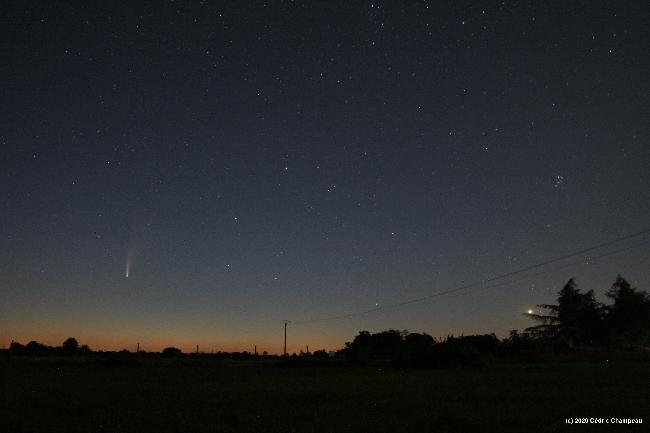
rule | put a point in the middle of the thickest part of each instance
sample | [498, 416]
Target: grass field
[159, 398]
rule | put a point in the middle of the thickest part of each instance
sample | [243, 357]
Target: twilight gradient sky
[252, 162]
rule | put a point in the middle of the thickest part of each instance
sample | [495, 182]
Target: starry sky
[250, 162]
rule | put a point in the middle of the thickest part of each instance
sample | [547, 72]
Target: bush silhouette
[171, 351]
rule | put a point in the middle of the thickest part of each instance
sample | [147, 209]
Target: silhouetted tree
[320, 354]
[35, 348]
[385, 345]
[628, 318]
[418, 349]
[576, 319]
[359, 350]
[16, 348]
[400, 348]
[70, 346]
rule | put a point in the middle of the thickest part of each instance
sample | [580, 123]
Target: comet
[129, 263]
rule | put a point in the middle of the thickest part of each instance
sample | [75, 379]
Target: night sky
[247, 163]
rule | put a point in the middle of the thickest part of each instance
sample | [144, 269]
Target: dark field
[182, 398]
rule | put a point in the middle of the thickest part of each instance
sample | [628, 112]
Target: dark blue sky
[254, 162]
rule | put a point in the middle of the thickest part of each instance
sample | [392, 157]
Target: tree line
[576, 322]
[578, 319]
[70, 347]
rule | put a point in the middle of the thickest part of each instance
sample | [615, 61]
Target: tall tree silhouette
[628, 318]
[575, 320]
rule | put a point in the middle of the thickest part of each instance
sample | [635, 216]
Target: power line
[524, 278]
[422, 299]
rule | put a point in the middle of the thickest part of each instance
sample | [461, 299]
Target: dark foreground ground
[62, 397]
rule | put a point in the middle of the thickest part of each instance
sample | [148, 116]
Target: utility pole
[197, 349]
[138, 349]
[285, 336]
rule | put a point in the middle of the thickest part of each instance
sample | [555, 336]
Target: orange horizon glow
[107, 344]
[154, 342]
